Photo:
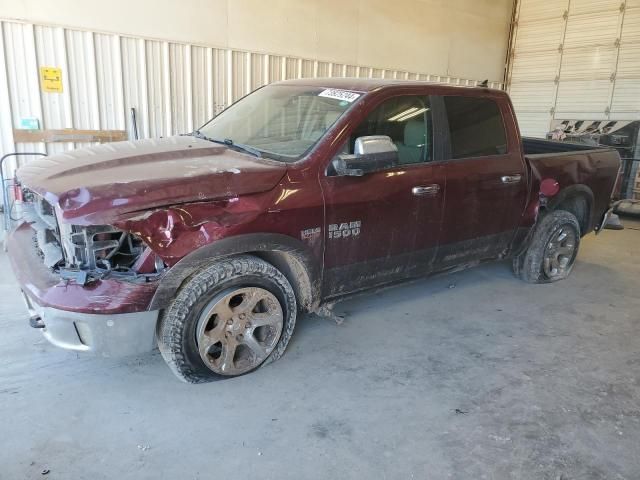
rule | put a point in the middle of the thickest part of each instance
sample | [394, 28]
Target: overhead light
[402, 114]
[409, 115]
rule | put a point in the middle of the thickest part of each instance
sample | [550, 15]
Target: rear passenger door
[486, 184]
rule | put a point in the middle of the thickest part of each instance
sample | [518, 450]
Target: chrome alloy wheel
[560, 253]
[238, 329]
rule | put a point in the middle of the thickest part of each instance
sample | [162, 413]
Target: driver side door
[384, 226]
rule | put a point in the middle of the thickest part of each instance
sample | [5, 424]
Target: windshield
[280, 121]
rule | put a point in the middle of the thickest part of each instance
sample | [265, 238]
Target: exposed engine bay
[85, 253]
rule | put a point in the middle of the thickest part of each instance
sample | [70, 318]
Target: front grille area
[41, 215]
[97, 248]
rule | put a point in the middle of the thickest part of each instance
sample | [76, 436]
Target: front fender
[289, 255]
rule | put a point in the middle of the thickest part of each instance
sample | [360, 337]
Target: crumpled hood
[103, 184]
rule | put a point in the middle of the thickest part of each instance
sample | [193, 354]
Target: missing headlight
[100, 246]
[116, 250]
[104, 250]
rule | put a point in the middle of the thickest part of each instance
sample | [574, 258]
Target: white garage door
[575, 60]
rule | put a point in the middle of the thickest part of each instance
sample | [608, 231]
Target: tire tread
[529, 264]
[171, 328]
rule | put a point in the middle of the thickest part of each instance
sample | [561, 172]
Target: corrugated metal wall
[173, 87]
[575, 60]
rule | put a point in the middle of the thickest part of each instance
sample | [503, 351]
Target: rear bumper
[605, 217]
[108, 317]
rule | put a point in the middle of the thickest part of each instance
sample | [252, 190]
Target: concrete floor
[492, 379]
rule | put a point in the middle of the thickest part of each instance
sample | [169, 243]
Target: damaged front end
[86, 253]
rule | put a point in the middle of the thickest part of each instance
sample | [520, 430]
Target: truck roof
[369, 84]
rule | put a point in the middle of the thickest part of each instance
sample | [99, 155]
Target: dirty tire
[176, 329]
[530, 264]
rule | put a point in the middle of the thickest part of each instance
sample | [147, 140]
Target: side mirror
[372, 153]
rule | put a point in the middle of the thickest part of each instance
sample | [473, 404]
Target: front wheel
[227, 320]
[553, 249]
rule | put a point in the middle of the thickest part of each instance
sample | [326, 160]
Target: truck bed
[578, 168]
[538, 146]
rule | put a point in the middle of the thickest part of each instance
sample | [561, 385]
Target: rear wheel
[229, 319]
[553, 249]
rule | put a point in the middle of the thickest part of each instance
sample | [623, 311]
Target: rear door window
[476, 127]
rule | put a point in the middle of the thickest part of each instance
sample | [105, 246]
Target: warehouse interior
[470, 373]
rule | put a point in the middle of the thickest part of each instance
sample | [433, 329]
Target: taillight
[17, 191]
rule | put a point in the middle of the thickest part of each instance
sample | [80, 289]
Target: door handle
[426, 190]
[511, 178]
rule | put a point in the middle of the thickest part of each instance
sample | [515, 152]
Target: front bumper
[108, 317]
[106, 296]
[113, 335]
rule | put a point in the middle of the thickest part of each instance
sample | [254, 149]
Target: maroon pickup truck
[210, 244]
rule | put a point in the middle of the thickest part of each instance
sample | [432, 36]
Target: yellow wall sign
[51, 79]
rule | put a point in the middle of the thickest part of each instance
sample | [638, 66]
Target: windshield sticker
[337, 94]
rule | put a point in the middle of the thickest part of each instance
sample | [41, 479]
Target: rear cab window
[476, 127]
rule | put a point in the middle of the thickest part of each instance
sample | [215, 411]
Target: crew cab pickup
[210, 244]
